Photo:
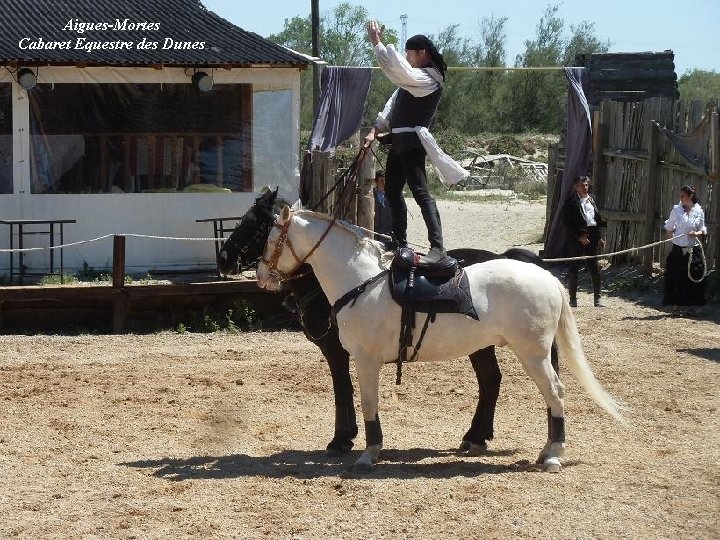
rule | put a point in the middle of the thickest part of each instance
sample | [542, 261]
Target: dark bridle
[244, 248]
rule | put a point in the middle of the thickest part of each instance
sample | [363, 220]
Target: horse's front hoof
[476, 450]
[338, 447]
[552, 465]
[464, 446]
[363, 467]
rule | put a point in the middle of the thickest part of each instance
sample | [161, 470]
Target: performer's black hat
[420, 42]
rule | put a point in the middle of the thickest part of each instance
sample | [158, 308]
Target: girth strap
[406, 333]
[352, 294]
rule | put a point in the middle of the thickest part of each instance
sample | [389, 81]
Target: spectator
[584, 223]
[684, 265]
[383, 212]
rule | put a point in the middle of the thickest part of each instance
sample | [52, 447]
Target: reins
[282, 241]
[343, 200]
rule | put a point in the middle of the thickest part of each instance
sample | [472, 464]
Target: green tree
[699, 84]
[583, 40]
[534, 100]
[343, 39]
[342, 42]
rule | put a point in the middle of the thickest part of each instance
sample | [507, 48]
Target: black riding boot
[434, 226]
[572, 279]
[399, 225]
[596, 290]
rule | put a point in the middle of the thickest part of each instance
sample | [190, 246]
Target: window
[6, 162]
[140, 138]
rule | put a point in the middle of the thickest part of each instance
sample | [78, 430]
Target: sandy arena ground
[221, 436]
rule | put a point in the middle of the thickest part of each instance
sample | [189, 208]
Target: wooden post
[323, 179]
[120, 301]
[714, 146]
[365, 202]
[653, 186]
[551, 181]
[315, 29]
[598, 165]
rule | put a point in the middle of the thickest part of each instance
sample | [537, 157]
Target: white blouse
[682, 222]
[588, 211]
[419, 82]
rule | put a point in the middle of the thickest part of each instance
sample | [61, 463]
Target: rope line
[103, 237]
[613, 254]
[204, 239]
[704, 261]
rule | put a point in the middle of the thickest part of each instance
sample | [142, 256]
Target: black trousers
[578, 250]
[409, 167]
[677, 288]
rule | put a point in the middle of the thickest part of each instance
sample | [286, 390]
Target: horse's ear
[285, 215]
[268, 195]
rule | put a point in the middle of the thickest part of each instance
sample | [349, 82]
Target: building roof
[629, 76]
[166, 22]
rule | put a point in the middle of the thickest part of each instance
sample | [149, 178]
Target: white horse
[519, 305]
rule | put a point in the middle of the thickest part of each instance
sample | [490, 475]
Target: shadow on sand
[316, 464]
[708, 354]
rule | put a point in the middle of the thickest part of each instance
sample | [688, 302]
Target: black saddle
[440, 287]
[406, 258]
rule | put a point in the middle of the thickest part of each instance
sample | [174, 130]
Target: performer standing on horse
[420, 77]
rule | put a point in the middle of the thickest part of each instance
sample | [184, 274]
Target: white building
[116, 134]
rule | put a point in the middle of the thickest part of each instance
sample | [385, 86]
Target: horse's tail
[568, 340]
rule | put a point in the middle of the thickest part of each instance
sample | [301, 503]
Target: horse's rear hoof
[552, 465]
[464, 446]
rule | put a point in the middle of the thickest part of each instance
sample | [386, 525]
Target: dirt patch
[221, 436]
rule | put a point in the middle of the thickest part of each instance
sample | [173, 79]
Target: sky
[688, 27]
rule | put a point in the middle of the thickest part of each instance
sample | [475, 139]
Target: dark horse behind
[245, 247]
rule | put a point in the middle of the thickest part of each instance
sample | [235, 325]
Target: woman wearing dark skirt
[686, 218]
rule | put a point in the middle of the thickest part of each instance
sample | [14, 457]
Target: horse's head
[270, 269]
[245, 245]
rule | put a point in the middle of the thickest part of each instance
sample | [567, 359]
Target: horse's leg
[553, 424]
[318, 327]
[368, 373]
[487, 371]
[542, 373]
[338, 360]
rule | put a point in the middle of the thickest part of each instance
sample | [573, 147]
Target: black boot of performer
[596, 289]
[595, 278]
[435, 237]
[399, 221]
[572, 284]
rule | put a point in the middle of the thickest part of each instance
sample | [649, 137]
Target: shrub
[506, 144]
[55, 279]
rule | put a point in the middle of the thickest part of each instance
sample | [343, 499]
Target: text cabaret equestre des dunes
[118, 25]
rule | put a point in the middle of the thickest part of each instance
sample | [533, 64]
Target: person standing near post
[383, 212]
[686, 222]
[420, 77]
[584, 223]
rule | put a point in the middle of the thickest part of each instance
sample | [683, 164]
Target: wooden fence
[637, 174]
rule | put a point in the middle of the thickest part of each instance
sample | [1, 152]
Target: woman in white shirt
[687, 222]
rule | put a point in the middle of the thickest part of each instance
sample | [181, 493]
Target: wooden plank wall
[629, 76]
[624, 180]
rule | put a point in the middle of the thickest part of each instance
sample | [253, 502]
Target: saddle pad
[433, 294]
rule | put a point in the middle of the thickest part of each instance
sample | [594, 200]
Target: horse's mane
[360, 234]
